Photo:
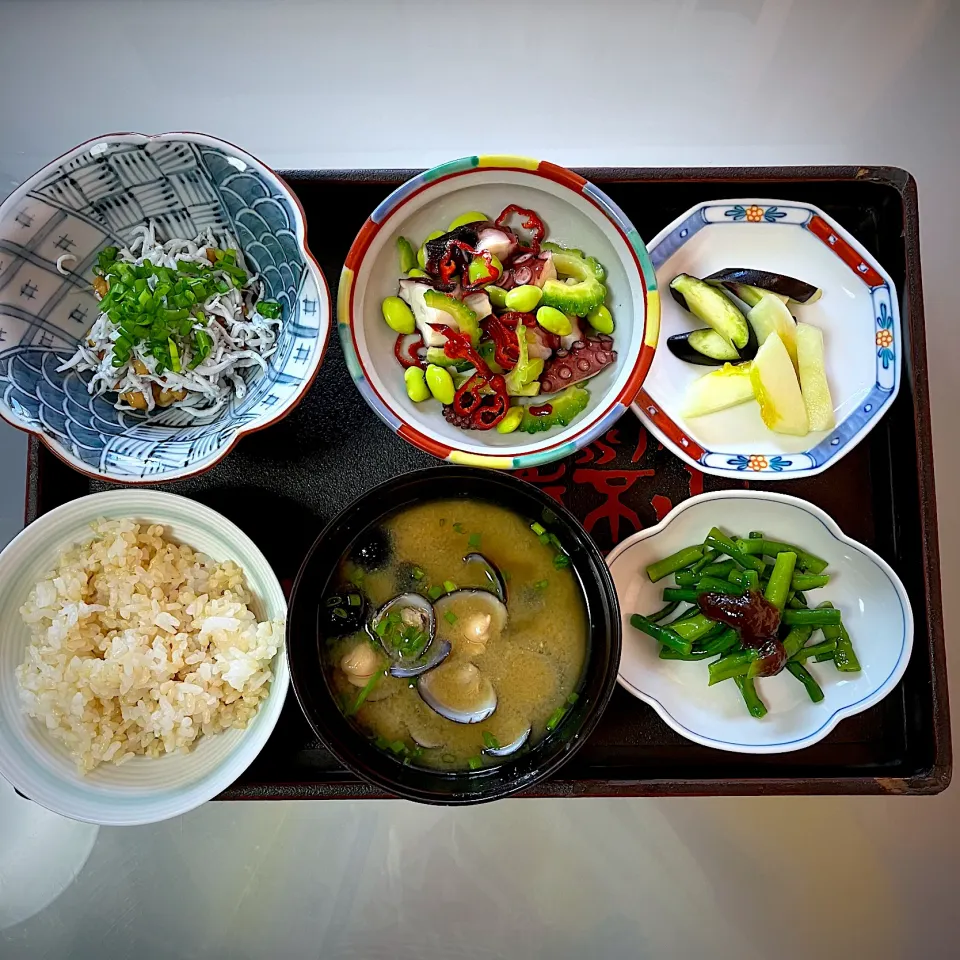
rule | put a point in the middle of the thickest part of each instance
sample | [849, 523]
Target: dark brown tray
[303, 470]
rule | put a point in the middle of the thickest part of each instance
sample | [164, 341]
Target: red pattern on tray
[620, 483]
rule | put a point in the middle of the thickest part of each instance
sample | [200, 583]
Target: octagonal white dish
[875, 606]
[576, 213]
[858, 314]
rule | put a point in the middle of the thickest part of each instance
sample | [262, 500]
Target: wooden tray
[332, 447]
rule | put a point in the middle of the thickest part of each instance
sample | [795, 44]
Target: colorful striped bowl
[576, 214]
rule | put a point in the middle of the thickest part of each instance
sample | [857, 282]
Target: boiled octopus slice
[482, 235]
[530, 268]
[584, 359]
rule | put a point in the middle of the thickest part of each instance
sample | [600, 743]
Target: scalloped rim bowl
[87, 195]
[875, 607]
[576, 214]
[142, 790]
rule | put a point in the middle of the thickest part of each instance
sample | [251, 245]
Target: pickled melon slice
[771, 315]
[777, 389]
[813, 378]
[723, 388]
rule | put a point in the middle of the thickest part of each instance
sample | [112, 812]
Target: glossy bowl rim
[519, 456]
[842, 713]
[323, 289]
[341, 747]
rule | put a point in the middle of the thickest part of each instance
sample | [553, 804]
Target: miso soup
[455, 634]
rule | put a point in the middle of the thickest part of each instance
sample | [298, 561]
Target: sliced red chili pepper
[483, 399]
[467, 398]
[459, 347]
[450, 263]
[493, 406]
[408, 358]
[502, 331]
[492, 272]
[532, 223]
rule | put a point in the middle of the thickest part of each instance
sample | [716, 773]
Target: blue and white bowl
[91, 198]
[858, 315]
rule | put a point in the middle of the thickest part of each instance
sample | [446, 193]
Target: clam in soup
[455, 634]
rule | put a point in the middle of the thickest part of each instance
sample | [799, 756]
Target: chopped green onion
[554, 719]
[458, 527]
[538, 529]
[450, 617]
[354, 600]
[561, 561]
[269, 309]
[474, 541]
[475, 763]
[542, 584]
[490, 741]
[449, 586]
[174, 356]
[417, 573]
[364, 693]
[435, 592]
[573, 698]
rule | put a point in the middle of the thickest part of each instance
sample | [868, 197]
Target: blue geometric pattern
[887, 322]
[93, 198]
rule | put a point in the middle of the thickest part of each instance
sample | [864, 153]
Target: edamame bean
[416, 384]
[601, 319]
[405, 254]
[523, 298]
[553, 321]
[497, 295]
[478, 268]
[422, 252]
[472, 216]
[440, 383]
[511, 421]
[417, 273]
[398, 315]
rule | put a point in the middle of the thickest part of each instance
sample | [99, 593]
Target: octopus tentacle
[584, 359]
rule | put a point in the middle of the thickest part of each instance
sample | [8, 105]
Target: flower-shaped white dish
[143, 789]
[874, 603]
[92, 198]
[858, 314]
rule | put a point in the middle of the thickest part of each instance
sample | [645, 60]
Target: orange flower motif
[754, 214]
[757, 462]
[884, 338]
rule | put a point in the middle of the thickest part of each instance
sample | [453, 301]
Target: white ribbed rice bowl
[142, 790]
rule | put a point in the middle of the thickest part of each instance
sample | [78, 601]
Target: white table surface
[380, 84]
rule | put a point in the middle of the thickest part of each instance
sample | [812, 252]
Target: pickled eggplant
[711, 306]
[708, 348]
[793, 289]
